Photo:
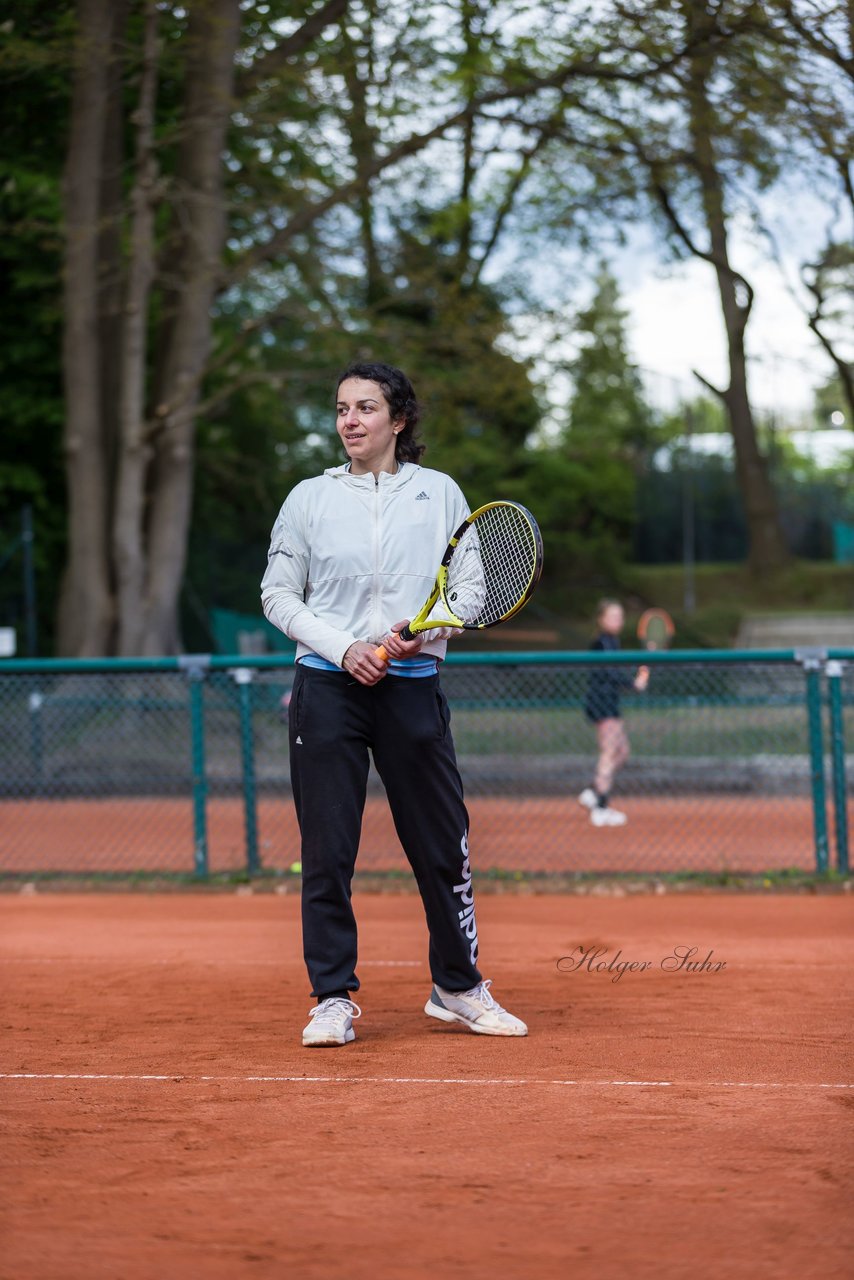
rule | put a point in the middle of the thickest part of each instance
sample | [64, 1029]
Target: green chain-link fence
[738, 764]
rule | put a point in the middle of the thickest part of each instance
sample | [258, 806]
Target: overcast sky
[676, 326]
[675, 323]
[675, 316]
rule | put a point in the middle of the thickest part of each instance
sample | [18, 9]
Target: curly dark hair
[399, 395]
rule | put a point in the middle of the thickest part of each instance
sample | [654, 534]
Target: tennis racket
[488, 572]
[655, 629]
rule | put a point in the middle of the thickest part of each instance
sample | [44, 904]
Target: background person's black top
[606, 683]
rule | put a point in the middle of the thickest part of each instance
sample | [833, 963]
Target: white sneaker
[475, 1009]
[331, 1023]
[607, 818]
[588, 798]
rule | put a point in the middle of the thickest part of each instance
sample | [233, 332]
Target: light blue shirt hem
[411, 668]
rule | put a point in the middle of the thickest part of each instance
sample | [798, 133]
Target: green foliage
[608, 402]
[584, 485]
[583, 499]
[268, 425]
[830, 399]
[397, 269]
[479, 406]
[34, 61]
[701, 416]
[479, 403]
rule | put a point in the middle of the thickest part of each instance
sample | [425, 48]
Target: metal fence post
[27, 541]
[812, 661]
[196, 665]
[833, 671]
[243, 679]
[35, 702]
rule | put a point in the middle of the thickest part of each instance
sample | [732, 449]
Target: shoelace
[332, 1010]
[484, 995]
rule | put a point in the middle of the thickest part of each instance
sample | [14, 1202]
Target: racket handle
[404, 633]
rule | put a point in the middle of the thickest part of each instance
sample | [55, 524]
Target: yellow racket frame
[422, 621]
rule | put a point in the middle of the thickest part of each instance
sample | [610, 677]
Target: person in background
[602, 708]
[350, 550]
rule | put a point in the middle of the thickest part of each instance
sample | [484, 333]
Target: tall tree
[131, 412]
[254, 190]
[818, 40]
[679, 132]
[830, 282]
[607, 399]
[86, 609]
[767, 546]
[234, 179]
[582, 480]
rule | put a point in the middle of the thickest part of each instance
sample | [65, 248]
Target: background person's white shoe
[588, 798]
[331, 1023]
[476, 1009]
[607, 817]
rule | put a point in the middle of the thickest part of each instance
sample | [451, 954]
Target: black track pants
[334, 723]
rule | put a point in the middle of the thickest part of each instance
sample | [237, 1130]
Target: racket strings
[493, 566]
[655, 629]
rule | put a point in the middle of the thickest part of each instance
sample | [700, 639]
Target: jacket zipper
[376, 593]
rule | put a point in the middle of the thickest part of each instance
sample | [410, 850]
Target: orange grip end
[381, 653]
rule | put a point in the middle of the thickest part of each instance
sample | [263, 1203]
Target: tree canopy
[210, 207]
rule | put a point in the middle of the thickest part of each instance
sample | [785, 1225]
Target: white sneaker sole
[329, 1042]
[447, 1015]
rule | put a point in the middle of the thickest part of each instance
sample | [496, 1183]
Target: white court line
[507, 1080]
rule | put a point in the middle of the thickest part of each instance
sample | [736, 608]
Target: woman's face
[611, 619]
[364, 423]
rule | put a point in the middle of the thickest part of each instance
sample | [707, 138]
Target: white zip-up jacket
[350, 555]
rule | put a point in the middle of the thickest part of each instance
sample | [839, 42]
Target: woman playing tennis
[602, 708]
[351, 549]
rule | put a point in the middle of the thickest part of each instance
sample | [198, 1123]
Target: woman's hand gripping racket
[488, 572]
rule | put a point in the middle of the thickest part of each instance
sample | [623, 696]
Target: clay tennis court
[162, 1119]
[551, 833]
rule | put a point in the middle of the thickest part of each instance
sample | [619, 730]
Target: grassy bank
[807, 584]
[724, 594]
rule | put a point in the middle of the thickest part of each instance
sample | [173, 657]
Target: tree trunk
[85, 610]
[822, 290]
[767, 548]
[200, 229]
[468, 13]
[363, 148]
[110, 241]
[844, 368]
[127, 543]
